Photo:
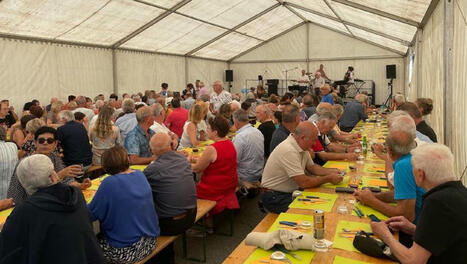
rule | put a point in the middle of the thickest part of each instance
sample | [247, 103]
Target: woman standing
[52, 115]
[125, 209]
[104, 134]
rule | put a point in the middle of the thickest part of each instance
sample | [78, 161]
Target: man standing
[321, 71]
[318, 81]
[267, 127]
[249, 144]
[287, 167]
[440, 235]
[189, 101]
[165, 89]
[219, 97]
[137, 140]
[303, 82]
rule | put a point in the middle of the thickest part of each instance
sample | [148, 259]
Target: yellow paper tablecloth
[344, 242]
[326, 206]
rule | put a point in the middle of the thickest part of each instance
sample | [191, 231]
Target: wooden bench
[203, 207]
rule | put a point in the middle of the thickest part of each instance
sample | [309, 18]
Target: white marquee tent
[61, 47]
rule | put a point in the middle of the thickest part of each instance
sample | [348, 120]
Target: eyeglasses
[48, 140]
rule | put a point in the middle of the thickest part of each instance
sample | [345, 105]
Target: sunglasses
[48, 140]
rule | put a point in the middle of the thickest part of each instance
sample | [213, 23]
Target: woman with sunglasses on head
[45, 141]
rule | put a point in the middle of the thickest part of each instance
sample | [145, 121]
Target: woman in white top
[194, 129]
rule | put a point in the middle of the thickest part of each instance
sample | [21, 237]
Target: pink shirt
[202, 90]
[176, 120]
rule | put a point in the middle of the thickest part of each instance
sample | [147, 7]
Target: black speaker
[229, 75]
[391, 71]
[272, 89]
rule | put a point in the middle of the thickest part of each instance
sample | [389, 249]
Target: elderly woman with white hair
[53, 226]
[441, 234]
[354, 111]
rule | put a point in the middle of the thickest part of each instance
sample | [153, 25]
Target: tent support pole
[448, 40]
[114, 71]
[307, 47]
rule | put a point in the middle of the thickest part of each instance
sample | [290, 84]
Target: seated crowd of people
[276, 144]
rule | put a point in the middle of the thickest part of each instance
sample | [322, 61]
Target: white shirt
[318, 82]
[219, 99]
[86, 111]
[303, 80]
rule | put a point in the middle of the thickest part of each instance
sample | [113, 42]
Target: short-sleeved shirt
[404, 184]
[279, 135]
[267, 129]
[126, 123]
[353, 113]
[89, 113]
[249, 144]
[285, 162]
[176, 120]
[441, 228]
[327, 99]
[170, 176]
[159, 128]
[137, 143]
[219, 99]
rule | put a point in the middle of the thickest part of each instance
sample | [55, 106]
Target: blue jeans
[276, 202]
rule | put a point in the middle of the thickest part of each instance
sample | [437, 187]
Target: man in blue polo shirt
[137, 140]
[400, 141]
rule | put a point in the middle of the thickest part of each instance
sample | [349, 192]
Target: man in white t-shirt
[219, 97]
[159, 127]
[318, 81]
[81, 102]
[303, 82]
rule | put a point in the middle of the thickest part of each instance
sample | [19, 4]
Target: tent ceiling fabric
[218, 29]
[409, 9]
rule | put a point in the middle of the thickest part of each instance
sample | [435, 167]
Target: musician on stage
[323, 74]
[348, 79]
[303, 82]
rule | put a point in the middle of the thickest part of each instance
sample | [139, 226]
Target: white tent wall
[430, 81]
[207, 71]
[429, 77]
[459, 106]
[38, 70]
[335, 50]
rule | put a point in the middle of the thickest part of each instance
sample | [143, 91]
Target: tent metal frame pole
[114, 71]
[339, 18]
[168, 54]
[54, 41]
[379, 12]
[149, 24]
[429, 11]
[347, 23]
[361, 39]
[266, 41]
[233, 29]
[448, 41]
[307, 47]
[320, 59]
[186, 70]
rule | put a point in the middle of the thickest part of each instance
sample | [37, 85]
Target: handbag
[372, 247]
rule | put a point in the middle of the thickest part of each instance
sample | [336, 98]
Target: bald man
[173, 191]
[289, 167]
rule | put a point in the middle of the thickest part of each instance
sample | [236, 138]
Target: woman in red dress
[218, 163]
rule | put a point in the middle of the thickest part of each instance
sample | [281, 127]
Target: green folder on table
[305, 255]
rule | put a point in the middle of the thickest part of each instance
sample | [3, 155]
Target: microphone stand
[286, 80]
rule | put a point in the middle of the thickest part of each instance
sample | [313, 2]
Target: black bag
[372, 247]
